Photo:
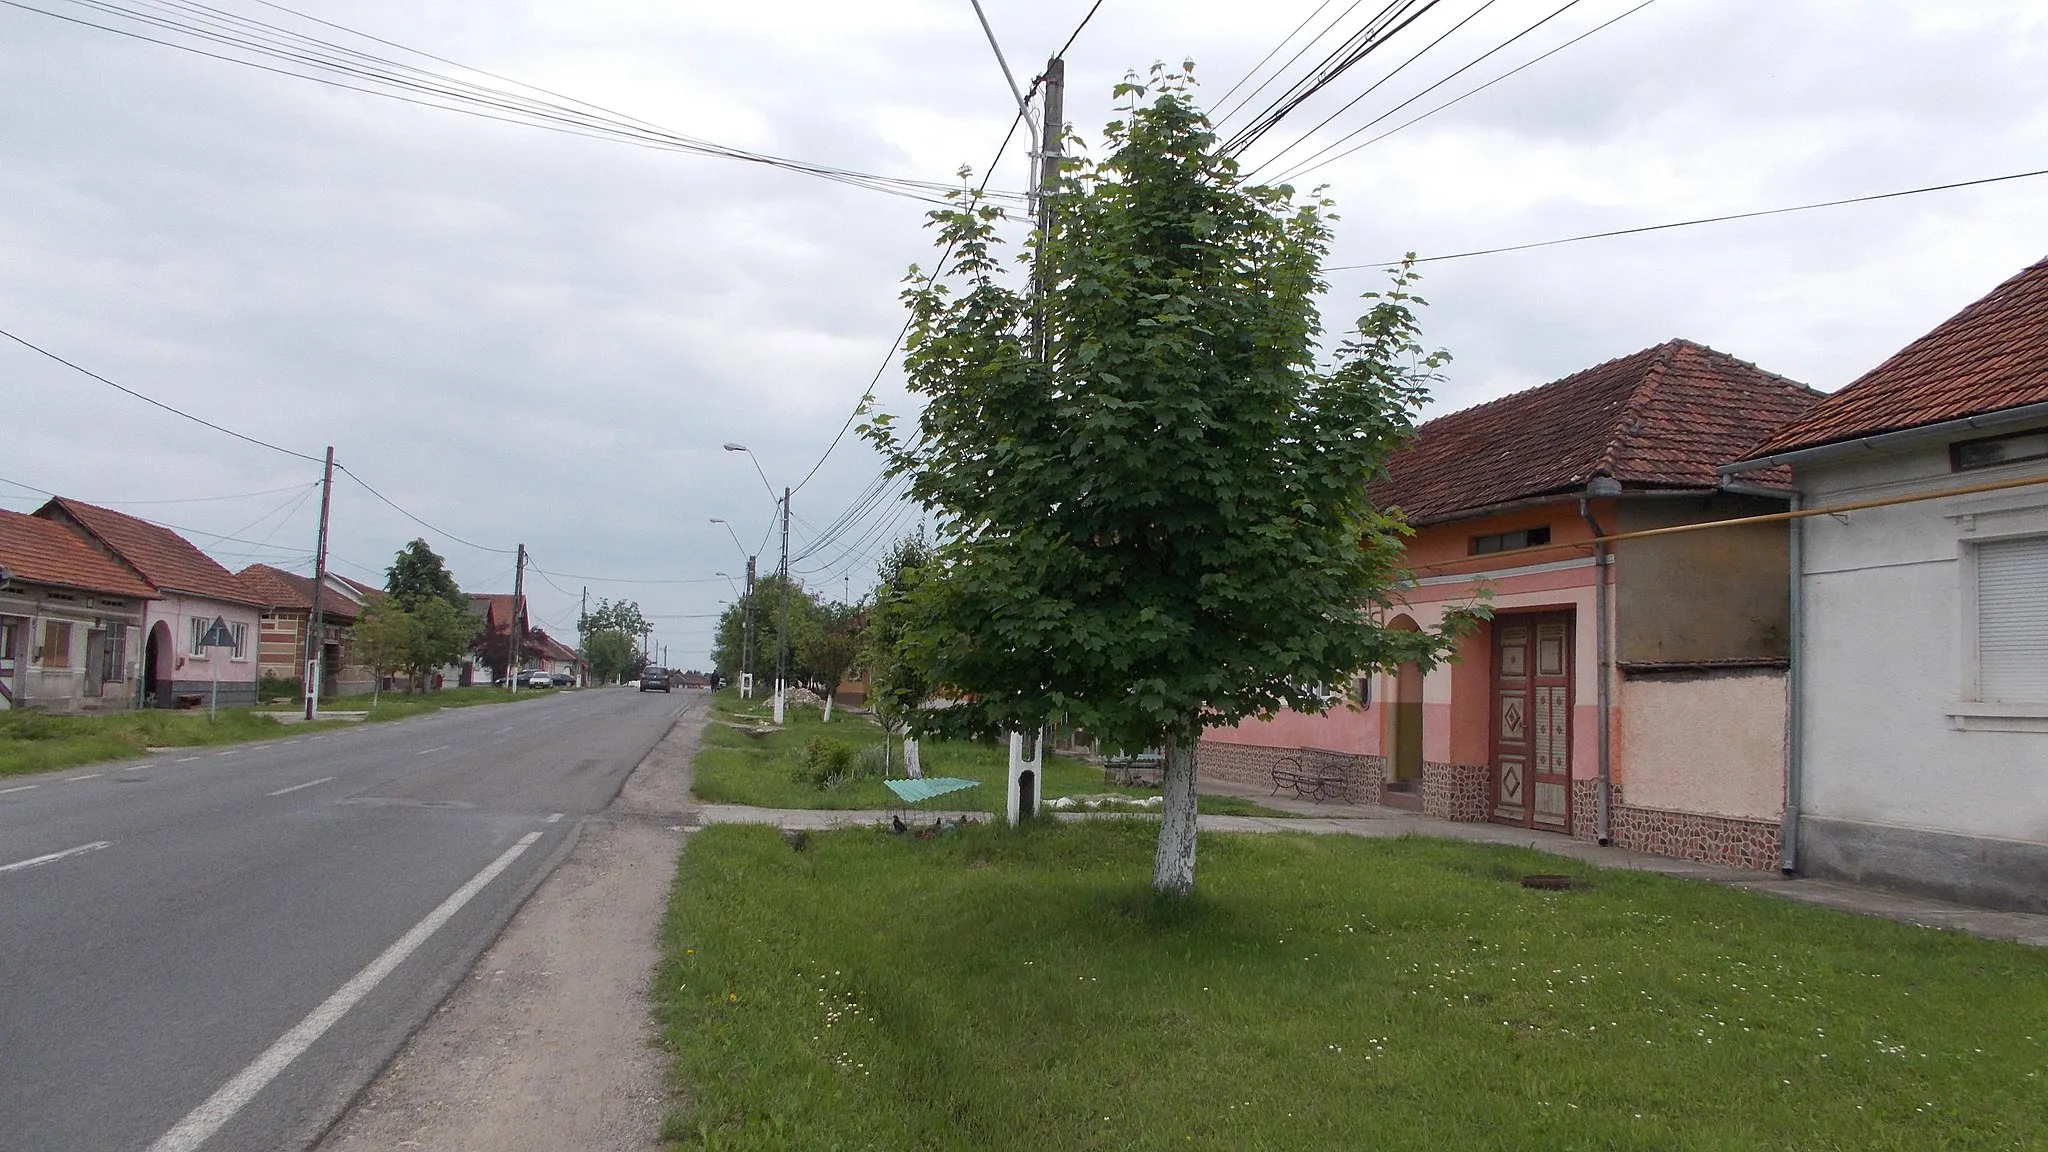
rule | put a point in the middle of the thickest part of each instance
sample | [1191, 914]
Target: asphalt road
[217, 948]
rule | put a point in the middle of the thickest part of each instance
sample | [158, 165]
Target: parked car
[537, 679]
[654, 678]
[561, 679]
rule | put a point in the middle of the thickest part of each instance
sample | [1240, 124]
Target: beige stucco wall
[1711, 743]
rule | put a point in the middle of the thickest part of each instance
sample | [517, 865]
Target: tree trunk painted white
[912, 767]
[778, 703]
[1173, 866]
[828, 706]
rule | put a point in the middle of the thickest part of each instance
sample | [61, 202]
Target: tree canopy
[417, 574]
[1164, 524]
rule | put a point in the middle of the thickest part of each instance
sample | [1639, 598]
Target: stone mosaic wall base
[1454, 791]
[1723, 840]
[1252, 764]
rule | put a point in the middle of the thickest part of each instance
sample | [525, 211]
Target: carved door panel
[1529, 780]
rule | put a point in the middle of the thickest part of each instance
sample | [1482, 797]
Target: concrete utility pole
[747, 636]
[512, 626]
[316, 624]
[582, 629]
[782, 629]
[1049, 155]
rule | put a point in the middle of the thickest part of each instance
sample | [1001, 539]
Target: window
[241, 641]
[10, 635]
[1992, 451]
[114, 655]
[2012, 621]
[198, 648]
[56, 645]
[1509, 541]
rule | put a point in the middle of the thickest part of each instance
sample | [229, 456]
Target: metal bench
[1315, 774]
[1127, 771]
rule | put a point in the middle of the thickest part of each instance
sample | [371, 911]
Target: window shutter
[2012, 621]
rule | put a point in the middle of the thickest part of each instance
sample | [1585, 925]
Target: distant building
[191, 592]
[70, 621]
[288, 603]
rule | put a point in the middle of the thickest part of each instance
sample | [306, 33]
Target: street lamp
[782, 575]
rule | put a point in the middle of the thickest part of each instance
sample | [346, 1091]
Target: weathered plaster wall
[1719, 594]
[1712, 744]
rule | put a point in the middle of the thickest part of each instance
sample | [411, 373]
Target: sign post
[217, 635]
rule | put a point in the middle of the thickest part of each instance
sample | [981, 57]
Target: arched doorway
[1404, 718]
[155, 656]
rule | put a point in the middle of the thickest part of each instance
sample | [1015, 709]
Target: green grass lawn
[735, 766]
[36, 742]
[994, 989]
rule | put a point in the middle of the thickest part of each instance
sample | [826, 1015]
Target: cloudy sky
[520, 335]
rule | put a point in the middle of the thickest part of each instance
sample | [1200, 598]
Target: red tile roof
[45, 552]
[547, 647]
[1664, 417]
[276, 588]
[164, 558]
[1989, 356]
[497, 608]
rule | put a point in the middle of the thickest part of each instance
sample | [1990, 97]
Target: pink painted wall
[177, 611]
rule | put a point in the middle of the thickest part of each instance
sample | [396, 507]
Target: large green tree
[437, 621]
[417, 574]
[390, 637]
[610, 635]
[1163, 526]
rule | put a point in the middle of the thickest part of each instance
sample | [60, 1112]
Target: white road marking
[187, 759]
[441, 748]
[296, 787]
[554, 817]
[87, 776]
[18, 788]
[202, 1122]
[95, 846]
[135, 768]
[229, 752]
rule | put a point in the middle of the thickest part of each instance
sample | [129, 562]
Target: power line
[1224, 113]
[413, 85]
[364, 484]
[1306, 167]
[41, 351]
[1375, 85]
[1396, 18]
[889, 357]
[184, 500]
[1700, 220]
[1096, 7]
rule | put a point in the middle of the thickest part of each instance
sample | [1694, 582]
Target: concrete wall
[1720, 594]
[1710, 743]
[69, 682]
[1906, 780]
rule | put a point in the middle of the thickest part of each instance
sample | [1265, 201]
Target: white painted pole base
[911, 767]
[778, 703]
[1025, 780]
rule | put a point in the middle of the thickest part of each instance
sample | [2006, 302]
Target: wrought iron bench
[1126, 771]
[1314, 773]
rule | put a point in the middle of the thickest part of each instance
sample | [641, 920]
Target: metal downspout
[1603, 820]
[1795, 645]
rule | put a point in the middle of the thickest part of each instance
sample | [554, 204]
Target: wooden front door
[1531, 775]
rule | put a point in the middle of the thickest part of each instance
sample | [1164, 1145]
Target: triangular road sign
[218, 635]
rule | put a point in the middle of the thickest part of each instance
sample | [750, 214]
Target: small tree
[384, 640]
[611, 655]
[896, 684]
[1164, 525]
[833, 646]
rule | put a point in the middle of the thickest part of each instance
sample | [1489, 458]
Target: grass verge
[744, 760]
[994, 989]
[38, 742]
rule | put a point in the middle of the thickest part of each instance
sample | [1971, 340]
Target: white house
[1919, 757]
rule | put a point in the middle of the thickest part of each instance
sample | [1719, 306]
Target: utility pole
[1049, 156]
[316, 624]
[747, 636]
[782, 629]
[582, 632]
[512, 626]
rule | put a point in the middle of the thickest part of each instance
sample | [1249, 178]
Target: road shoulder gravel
[548, 1043]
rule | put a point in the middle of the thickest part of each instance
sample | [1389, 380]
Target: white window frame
[193, 647]
[241, 648]
[1996, 520]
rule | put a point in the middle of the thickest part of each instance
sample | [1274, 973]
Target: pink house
[192, 592]
[1632, 693]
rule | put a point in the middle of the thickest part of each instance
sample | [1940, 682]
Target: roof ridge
[1639, 399]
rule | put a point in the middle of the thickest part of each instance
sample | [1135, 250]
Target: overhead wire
[409, 84]
[1696, 221]
[1223, 109]
[365, 486]
[1396, 18]
[172, 409]
[1311, 163]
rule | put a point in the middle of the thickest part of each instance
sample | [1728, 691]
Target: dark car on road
[654, 678]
